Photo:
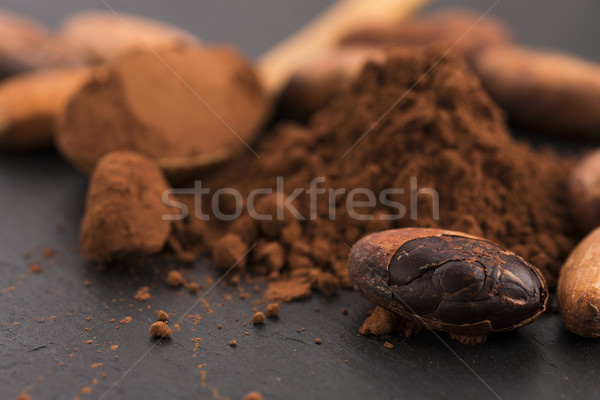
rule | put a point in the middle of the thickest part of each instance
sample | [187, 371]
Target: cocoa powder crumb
[233, 343]
[35, 269]
[235, 280]
[286, 291]
[253, 396]
[175, 279]
[328, 284]
[230, 251]
[193, 287]
[23, 396]
[126, 320]
[49, 253]
[258, 318]
[388, 345]
[272, 310]
[142, 294]
[162, 316]
[318, 341]
[380, 322]
[160, 329]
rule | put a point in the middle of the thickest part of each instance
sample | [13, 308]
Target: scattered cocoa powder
[401, 120]
[388, 345]
[123, 216]
[160, 329]
[318, 341]
[233, 343]
[272, 310]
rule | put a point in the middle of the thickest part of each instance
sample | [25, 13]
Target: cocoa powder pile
[400, 119]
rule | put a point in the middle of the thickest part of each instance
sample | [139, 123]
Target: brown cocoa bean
[100, 36]
[584, 192]
[450, 281]
[31, 103]
[547, 92]
[462, 29]
[19, 38]
[579, 288]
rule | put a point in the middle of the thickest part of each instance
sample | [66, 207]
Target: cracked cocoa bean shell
[451, 281]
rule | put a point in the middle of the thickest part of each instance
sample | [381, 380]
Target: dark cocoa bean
[450, 281]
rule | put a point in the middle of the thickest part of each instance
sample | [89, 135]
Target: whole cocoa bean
[579, 288]
[584, 192]
[30, 104]
[450, 281]
[100, 36]
[463, 29]
[547, 92]
[20, 37]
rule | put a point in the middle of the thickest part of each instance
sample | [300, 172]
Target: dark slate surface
[40, 192]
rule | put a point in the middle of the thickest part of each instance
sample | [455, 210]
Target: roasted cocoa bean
[579, 288]
[450, 281]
